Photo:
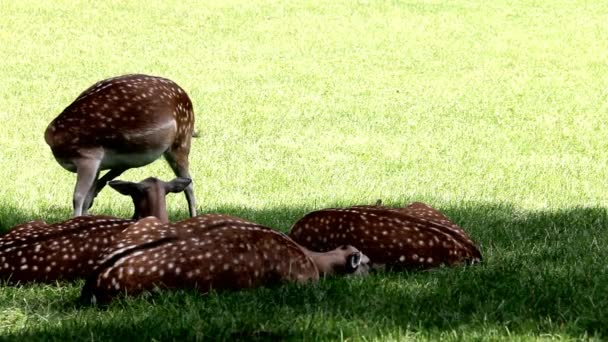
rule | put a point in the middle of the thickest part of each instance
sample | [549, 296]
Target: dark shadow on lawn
[543, 272]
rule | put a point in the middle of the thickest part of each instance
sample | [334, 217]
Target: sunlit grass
[494, 112]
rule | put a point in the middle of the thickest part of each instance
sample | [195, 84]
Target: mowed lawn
[495, 112]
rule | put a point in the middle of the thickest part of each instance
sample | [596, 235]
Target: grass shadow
[543, 273]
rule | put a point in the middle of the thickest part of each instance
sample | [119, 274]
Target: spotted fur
[120, 123]
[62, 251]
[208, 252]
[415, 237]
[41, 252]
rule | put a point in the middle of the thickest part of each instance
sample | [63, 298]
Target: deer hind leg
[178, 160]
[87, 171]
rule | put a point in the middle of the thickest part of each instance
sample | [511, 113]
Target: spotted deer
[121, 123]
[415, 237]
[210, 252]
[41, 252]
[424, 211]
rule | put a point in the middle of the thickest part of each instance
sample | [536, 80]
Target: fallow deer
[414, 237]
[121, 123]
[36, 251]
[210, 252]
[426, 212]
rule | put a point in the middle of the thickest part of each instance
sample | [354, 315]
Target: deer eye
[353, 261]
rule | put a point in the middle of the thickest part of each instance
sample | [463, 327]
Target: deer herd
[130, 121]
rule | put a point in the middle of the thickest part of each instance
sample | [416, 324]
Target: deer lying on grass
[121, 123]
[210, 252]
[415, 237]
[36, 251]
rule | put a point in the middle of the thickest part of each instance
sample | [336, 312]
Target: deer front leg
[87, 170]
[100, 184]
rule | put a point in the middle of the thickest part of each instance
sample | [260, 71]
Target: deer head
[415, 237]
[37, 251]
[121, 123]
[345, 259]
[149, 195]
[209, 252]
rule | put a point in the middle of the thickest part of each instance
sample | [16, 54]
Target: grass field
[494, 112]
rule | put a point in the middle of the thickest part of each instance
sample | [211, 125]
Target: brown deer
[121, 123]
[149, 195]
[426, 212]
[36, 251]
[415, 237]
[210, 252]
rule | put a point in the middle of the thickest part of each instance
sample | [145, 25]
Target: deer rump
[40, 252]
[221, 256]
[411, 238]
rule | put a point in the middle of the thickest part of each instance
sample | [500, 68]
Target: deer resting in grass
[41, 252]
[210, 252]
[415, 237]
[121, 123]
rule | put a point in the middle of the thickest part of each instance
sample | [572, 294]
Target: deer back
[205, 252]
[396, 237]
[123, 113]
[40, 252]
[426, 213]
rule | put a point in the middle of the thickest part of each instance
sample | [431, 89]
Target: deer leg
[179, 164]
[87, 170]
[88, 199]
[100, 184]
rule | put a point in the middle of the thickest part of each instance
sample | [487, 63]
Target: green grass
[493, 111]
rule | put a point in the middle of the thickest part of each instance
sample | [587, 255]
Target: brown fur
[415, 237]
[41, 252]
[62, 251]
[205, 252]
[120, 123]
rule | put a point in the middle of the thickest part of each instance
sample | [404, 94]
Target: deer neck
[156, 207]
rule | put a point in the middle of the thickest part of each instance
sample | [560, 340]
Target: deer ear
[124, 187]
[178, 184]
[353, 261]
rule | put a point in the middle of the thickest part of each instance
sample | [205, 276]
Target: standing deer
[210, 252]
[41, 252]
[121, 123]
[414, 237]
